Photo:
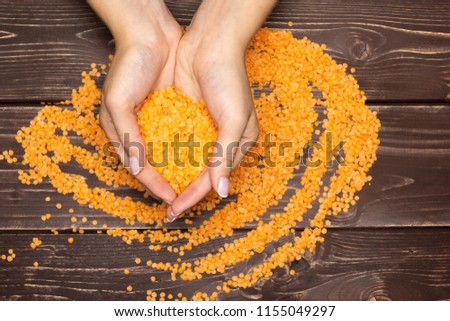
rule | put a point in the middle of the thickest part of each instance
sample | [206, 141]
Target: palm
[136, 71]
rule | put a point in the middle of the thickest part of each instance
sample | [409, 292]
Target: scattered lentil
[35, 243]
[8, 156]
[9, 257]
[270, 59]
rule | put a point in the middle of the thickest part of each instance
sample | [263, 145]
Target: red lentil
[270, 60]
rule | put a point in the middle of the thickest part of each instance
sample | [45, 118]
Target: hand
[147, 38]
[211, 66]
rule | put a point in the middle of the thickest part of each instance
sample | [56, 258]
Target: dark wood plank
[401, 48]
[409, 187]
[395, 264]
[370, 264]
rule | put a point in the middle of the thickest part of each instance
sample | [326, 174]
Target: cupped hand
[142, 64]
[216, 73]
[208, 63]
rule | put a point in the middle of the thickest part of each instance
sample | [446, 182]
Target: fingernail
[224, 187]
[172, 215]
[134, 165]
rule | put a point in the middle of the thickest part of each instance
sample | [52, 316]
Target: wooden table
[393, 245]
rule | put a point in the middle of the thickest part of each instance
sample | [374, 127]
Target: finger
[191, 195]
[221, 162]
[231, 109]
[110, 131]
[134, 150]
[248, 139]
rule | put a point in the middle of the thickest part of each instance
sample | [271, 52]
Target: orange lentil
[137, 260]
[48, 199]
[73, 219]
[203, 130]
[70, 240]
[290, 23]
[94, 222]
[84, 219]
[36, 264]
[270, 59]
[7, 155]
[36, 242]
[129, 288]
[126, 271]
[58, 205]
[71, 211]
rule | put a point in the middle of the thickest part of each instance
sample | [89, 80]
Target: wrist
[215, 25]
[137, 22]
[231, 23]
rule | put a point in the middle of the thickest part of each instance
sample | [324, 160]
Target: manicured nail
[224, 187]
[134, 165]
[172, 215]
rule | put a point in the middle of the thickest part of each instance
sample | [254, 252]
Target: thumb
[221, 163]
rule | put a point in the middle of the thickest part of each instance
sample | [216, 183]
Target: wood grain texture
[393, 245]
[409, 187]
[401, 49]
[370, 264]
[389, 264]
